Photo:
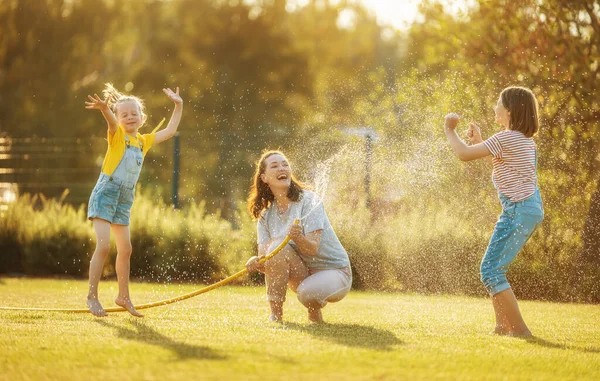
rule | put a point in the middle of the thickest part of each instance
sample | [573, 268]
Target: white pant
[324, 286]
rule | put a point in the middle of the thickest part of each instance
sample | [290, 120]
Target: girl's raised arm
[463, 151]
[98, 104]
[171, 128]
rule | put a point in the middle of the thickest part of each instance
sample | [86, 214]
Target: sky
[396, 13]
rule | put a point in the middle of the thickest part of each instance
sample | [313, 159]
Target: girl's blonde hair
[115, 97]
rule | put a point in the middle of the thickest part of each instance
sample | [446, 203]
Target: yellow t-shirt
[116, 147]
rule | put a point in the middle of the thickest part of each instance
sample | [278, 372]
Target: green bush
[423, 242]
[43, 237]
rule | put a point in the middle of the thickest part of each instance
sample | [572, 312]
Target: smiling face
[502, 114]
[277, 174]
[273, 180]
[129, 115]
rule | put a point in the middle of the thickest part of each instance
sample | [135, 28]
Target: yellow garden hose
[166, 301]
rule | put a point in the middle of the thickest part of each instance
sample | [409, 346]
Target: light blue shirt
[310, 210]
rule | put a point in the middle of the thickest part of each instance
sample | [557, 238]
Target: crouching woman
[313, 264]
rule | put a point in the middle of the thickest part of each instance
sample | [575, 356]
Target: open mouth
[283, 176]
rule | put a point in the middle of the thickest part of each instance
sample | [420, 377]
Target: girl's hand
[295, 231]
[174, 96]
[451, 121]
[474, 133]
[96, 103]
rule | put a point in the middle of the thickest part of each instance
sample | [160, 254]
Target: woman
[313, 264]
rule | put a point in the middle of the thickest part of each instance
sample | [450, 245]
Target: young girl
[112, 197]
[314, 264]
[514, 158]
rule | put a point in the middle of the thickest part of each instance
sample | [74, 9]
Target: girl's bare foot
[522, 334]
[499, 330]
[128, 305]
[96, 308]
[315, 315]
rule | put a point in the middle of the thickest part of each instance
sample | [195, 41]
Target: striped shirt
[513, 157]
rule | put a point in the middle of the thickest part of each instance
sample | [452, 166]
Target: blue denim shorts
[515, 226]
[111, 200]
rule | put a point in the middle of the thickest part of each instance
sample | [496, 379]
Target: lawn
[225, 335]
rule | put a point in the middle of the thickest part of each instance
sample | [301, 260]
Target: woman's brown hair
[261, 196]
[523, 108]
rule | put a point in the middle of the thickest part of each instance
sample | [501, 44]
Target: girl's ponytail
[112, 95]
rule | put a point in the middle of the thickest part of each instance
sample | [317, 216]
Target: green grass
[224, 335]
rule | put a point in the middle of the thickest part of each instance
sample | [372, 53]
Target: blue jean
[515, 226]
[112, 197]
[111, 200]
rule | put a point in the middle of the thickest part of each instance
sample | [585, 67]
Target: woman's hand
[474, 133]
[451, 121]
[174, 96]
[96, 103]
[295, 232]
[252, 265]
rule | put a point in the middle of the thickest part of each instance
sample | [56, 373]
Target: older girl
[514, 158]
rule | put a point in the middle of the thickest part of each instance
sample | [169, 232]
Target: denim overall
[515, 226]
[112, 197]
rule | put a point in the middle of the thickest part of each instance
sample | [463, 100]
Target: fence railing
[51, 165]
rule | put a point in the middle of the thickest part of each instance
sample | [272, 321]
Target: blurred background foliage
[265, 74]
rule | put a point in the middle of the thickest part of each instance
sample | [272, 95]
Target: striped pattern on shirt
[514, 164]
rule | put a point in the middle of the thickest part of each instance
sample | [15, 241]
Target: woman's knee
[282, 259]
[275, 265]
[303, 295]
[308, 297]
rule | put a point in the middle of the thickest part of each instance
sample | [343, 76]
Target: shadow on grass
[351, 335]
[147, 335]
[548, 344]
